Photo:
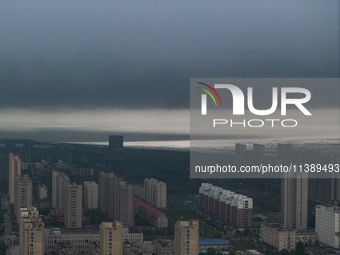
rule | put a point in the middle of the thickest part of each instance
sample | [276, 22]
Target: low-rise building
[150, 213]
[253, 252]
[277, 236]
[164, 247]
[312, 250]
[216, 243]
[133, 236]
[80, 239]
[305, 236]
[85, 240]
[133, 248]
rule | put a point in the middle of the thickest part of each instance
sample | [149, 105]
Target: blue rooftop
[214, 240]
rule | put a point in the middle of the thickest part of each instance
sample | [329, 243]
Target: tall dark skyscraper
[116, 147]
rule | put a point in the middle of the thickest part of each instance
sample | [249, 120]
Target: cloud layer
[141, 54]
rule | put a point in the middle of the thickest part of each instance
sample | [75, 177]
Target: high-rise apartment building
[31, 232]
[124, 210]
[327, 225]
[67, 198]
[155, 192]
[15, 162]
[54, 188]
[90, 195]
[73, 207]
[23, 194]
[116, 198]
[294, 201]
[111, 238]
[106, 190]
[186, 237]
[60, 181]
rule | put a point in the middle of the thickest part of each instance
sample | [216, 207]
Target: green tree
[300, 248]
[284, 252]
[292, 252]
[211, 251]
[218, 234]
[2, 248]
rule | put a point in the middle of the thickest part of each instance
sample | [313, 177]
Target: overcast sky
[133, 55]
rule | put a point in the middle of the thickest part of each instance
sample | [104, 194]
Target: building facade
[186, 237]
[84, 241]
[15, 163]
[327, 225]
[277, 236]
[111, 238]
[23, 194]
[42, 192]
[164, 247]
[116, 198]
[151, 214]
[294, 201]
[91, 195]
[54, 188]
[31, 232]
[73, 209]
[155, 192]
[116, 147]
[232, 208]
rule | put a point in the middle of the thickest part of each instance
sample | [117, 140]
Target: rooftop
[214, 240]
[149, 208]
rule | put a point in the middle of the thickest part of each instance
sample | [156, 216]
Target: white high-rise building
[327, 225]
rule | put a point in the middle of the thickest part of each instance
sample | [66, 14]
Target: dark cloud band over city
[58, 55]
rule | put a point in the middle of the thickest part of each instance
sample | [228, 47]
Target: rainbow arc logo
[209, 93]
[204, 97]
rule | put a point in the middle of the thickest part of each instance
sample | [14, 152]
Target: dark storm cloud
[141, 54]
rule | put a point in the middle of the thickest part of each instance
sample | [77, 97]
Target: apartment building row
[231, 208]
